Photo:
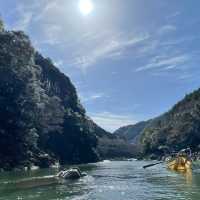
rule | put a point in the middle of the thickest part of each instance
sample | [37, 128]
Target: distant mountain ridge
[131, 133]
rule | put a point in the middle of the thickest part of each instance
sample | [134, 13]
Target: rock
[73, 173]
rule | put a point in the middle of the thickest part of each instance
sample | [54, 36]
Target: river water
[108, 180]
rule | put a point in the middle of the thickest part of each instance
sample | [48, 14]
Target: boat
[181, 162]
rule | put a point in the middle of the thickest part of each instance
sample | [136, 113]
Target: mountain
[131, 133]
[174, 130]
[41, 118]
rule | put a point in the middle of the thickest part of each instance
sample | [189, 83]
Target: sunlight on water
[106, 180]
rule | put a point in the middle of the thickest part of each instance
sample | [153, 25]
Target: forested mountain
[174, 130]
[179, 128]
[41, 118]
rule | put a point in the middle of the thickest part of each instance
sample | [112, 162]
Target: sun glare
[86, 6]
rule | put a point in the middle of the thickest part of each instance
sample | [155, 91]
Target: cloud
[110, 47]
[25, 18]
[50, 7]
[167, 29]
[173, 15]
[91, 97]
[186, 76]
[166, 62]
[82, 46]
[52, 34]
[110, 121]
[180, 41]
[25, 13]
[87, 46]
[149, 47]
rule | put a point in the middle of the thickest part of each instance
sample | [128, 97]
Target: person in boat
[182, 161]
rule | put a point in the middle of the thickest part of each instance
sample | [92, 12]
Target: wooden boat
[180, 163]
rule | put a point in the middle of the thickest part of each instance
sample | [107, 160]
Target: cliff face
[41, 118]
[179, 128]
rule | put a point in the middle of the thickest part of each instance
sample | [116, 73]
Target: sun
[86, 6]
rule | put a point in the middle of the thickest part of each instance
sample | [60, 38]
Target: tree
[1, 25]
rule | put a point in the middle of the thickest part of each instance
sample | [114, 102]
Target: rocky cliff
[41, 118]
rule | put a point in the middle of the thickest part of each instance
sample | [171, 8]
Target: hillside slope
[179, 128]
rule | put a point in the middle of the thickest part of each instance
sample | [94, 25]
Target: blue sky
[130, 60]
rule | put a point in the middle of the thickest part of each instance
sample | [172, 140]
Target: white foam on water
[34, 167]
[106, 161]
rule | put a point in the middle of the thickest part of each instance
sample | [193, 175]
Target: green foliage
[41, 118]
[40, 113]
[1, 25]
[176, 129]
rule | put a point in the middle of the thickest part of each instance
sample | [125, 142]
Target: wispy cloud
[186, 76]
[83, 47]
[25, 13]
[91, 97]
[166, 62]
[112, 47]
[110, 121]
[167, 29]
[52, 34]
[173, 15]
[179, 41]
[25, 18]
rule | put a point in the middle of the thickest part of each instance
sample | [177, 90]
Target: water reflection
[188, 177]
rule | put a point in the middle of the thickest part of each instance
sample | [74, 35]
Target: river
[108, 180]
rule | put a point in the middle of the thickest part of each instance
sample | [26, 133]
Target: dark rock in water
[73, 173]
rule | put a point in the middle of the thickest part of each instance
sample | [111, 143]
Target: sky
[130, 60]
